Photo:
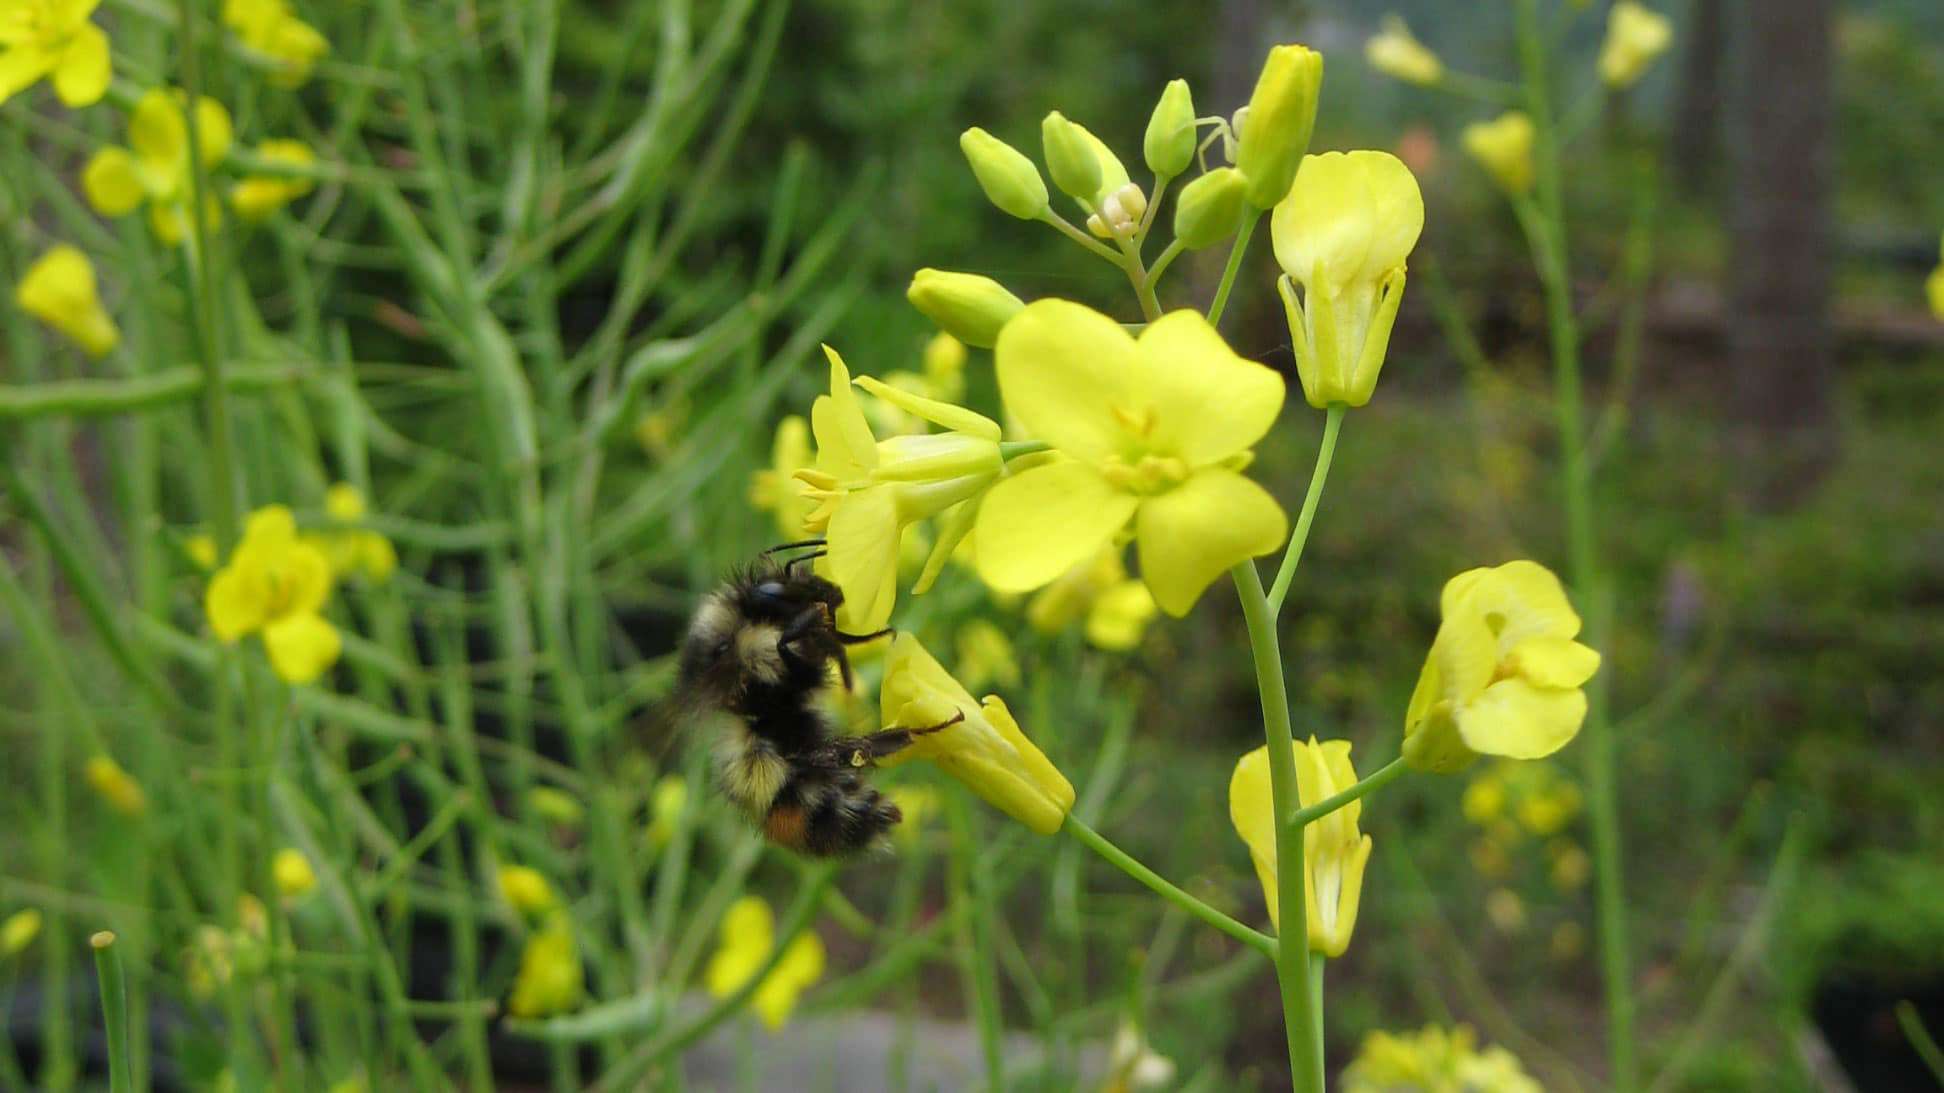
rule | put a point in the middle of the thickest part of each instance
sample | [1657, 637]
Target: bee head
[735, 638]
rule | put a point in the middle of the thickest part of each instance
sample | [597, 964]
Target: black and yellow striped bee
[760, 650]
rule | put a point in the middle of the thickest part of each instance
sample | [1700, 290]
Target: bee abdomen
[830, 820]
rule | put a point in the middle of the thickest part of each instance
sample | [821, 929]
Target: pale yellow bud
[967, 306]
[1210, 209]
[1275, 132]
[1170, 142]
[1008, 178]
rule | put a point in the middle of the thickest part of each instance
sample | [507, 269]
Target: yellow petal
[956, 418]
[1517, 720]
[214, 132]
[238, 599]
[1554, 662]
[291, 871]
[82, 74]
[1036, 525]
[301, 647]
[1350, 218]
[59, 290]
[158, 134]
[1520, 600]
[863, 541]
[1252, 810]
[1195, 532]
[1120, 616]
[112, 183]
[1063, 368]
[1210, 403]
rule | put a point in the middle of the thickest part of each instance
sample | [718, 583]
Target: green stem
[1332, 423]
[1292, 942]
[1920, 1039]
[1013, 449]
[1168, 254]
[202, 299]
[114, 1009]
[1067, 229]
[1234, 266]
[1377, 780]
[975, 944]
[1555, 275]
[1317, 962]
[1126, 863]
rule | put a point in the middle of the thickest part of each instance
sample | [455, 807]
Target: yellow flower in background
[526, 890]
[1934, 287]
[944, 367]
[115, 786]
[1503, 146]
[1343, 233]
[1570, 867]
[291, 872]
[201, 549]
[550, 979]
[555, 806]
[155, 166]
[19, 931]
[918, 805]
[1334, 851]
[1434, 1060]
[273, 32]
[985, 750]
[748, 938]
[1635, 37]
[985, 656]
[1154, 432]
[1116, 608]
[257, 196]
[275, 584]
[1504, 674]
[774, 488]
[53, 40]
[59, 290]
[1133, 1066]
[665, 809]
[352, 549]
[866, 491]
[1397, 54]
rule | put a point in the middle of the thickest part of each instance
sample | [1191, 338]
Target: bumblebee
[760, 650]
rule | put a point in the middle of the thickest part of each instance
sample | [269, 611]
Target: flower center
[1148, 475]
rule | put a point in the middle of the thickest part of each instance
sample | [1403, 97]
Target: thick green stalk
[1332, 422]
[975, 943]
[1292, 942]
[1125, 862]
[114, 1009]
[1549, 243]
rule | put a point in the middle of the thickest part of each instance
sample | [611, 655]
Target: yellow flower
[352, 549]
[944, 367]
[748, 937]
[257, 196]
[268, 28]
[155, 166]
[985, 656]
[665, 809]
[1274, 130]
[115, 786]
[1434, 1060]
[550, 978]
[1571, 867]
[201, 549]
[1395, 53]
[1635, 36]
[276, 584]
[555, 806]
[866, 491]
[1343, 233]
[1154, 431]
[53, 38]
[985, 749]
[1117, 608]
[1503, 146]
[1484, 798]
[59, 290]
[291, 871]
[1503, 676]
[526, 890]
[1334, 851]
[19, 931]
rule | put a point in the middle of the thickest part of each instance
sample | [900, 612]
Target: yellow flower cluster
[273, 32]
[1510, 802]
[54, 40]
[275, 583]
[1434, 1060]
[748, 939]
[1116, 608]
[348, 547]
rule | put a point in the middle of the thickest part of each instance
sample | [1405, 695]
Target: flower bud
[1503, 146]
[1276, 130]
[1396, 53]
[967, 306]
[1635, 37]
[1120, 212]
[1211, 208]
[291, 871]
[1170, 142]
[1070, 157]
[1008, 178]
[526, 889]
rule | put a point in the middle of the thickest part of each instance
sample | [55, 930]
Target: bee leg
[859, 639]
[865, 751]
[811, 627]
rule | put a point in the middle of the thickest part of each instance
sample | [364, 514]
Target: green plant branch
[1372, 782]
[1234, 266]
[1126, 863]
[1286, 572]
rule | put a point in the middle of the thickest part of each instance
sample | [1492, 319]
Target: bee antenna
[780, 547]
[790, 566]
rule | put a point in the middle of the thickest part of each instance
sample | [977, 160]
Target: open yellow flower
[291, 871]
[257, 196]
[1116, 608]
[748, 938]
[1434, 1060]
[550, 979]
[1503, 146]
[1504, 674]
[1343, 233]
[1635, 36]
[1396, 53]
[53, 39]
[1334, 851]
[59, 290]
[276, 583]
[1153, 432]
[352, 549]
[984, 749]
[865, 492]
[269, 29]
[115, 786]
[155, 166]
